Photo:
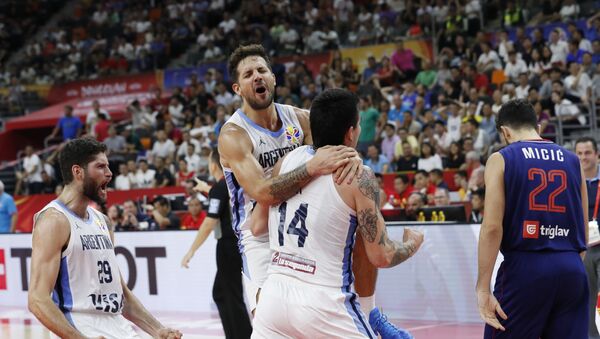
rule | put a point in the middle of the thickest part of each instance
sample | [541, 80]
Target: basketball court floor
[17, 323]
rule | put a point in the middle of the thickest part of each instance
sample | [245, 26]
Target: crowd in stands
[416, 116]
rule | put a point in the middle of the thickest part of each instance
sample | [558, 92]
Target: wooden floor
[18, 323]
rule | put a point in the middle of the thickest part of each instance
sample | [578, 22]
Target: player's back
[312, 234]
[542, 187]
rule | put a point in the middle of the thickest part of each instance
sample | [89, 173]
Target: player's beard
[258, 106]
[91, 190]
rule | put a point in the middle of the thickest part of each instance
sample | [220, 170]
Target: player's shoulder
[366, 181]
[233, 136]
[51, 221]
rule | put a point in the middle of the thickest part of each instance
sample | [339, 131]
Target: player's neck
[75, 201]
[218, 176]
[526, 135]
[266, 118]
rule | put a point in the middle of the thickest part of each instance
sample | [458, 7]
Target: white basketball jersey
[88, 278]
[268, 146]
[312, 234]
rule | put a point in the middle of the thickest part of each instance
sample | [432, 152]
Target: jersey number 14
[292, 228]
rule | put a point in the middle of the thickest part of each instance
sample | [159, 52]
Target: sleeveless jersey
[268, 146]
[312, 234]
[542, 187]
[88, 278]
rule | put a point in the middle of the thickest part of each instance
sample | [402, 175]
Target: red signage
[102, 87]
[2, 270]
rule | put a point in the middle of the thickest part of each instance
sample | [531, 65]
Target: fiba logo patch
[292, 133]
[531, 229]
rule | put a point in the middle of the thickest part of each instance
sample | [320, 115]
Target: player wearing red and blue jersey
[536, 215]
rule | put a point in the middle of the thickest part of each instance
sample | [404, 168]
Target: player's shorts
[256, 256]
[105, 325]
[289, 308]
[544, 295]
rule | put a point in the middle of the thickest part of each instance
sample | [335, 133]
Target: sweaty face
[256, 82]
[96, 177]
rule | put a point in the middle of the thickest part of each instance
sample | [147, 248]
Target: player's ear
[236, 88]
[349, 137]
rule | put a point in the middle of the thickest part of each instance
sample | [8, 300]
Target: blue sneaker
[381, 326]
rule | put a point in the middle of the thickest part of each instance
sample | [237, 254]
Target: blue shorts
[544, 295]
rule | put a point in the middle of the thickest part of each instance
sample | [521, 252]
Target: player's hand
[329, 158]
[350, 171]
[488, 308]
[186, 259]
[201, 186]
[414, 236]
[168, 333]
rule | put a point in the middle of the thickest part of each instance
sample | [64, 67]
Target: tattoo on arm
[286, 185]
[401, 252]
[367, 183]
[367, 221]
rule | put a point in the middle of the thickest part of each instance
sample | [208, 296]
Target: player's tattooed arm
[288, 184]
[382, 251]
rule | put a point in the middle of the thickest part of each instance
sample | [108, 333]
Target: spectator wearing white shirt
[205, 37]
[192, 158]
[514, 67]
[488, 60]
[566, 110]
[145, 175]
[454, 122]
[163, 147]
[224, 97]
[429, 159]
[212, 52]
[569, 10]
[289, 38]
[132, 169]
[578, 84]
[122, 182]
[176, 111]
[314, 41]
[32, 171]
[187, 140]
[92, 117]
[522, 90]
[559, 48]
[228, 24]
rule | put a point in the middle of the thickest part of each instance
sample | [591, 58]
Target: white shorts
[256, 256]
[106, 325]
[289, 308]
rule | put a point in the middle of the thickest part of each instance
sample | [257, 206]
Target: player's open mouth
[103, 187]
[260, 89]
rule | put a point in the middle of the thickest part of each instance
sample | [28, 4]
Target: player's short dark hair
[332, 113]
[517, 114]
[241, 53]
[79, 152]
[588, 139]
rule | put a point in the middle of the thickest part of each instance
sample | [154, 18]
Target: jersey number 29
[299, 217]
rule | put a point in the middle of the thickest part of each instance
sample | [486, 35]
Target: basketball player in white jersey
[251, 142]
[308, 290]
[76, 288]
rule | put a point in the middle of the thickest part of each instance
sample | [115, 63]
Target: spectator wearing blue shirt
[575, 54]
[370, 70]
[8, 212]
[69, 125]
[375, 161]
[395, 113]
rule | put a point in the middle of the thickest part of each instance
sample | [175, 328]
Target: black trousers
[592, 267]
[228, 292]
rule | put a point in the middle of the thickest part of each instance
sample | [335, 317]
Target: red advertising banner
[28, 206]
[103, 87]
